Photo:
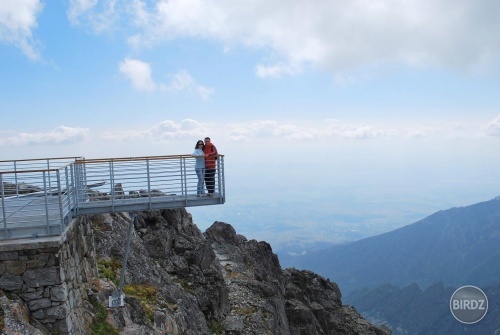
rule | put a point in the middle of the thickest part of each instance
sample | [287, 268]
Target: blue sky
[349, 116]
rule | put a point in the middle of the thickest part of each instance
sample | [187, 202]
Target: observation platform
[40, 197]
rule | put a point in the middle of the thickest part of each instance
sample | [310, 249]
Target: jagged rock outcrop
[212, 283]
[169, 254]
[314, 306]
[254, 280]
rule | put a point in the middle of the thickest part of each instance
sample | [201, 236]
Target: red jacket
[211, 153]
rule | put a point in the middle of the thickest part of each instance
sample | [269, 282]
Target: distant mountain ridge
[458, 246]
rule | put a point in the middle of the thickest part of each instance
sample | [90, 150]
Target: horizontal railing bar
[39, 159]
[141, 158]
[94, 160]
[32, 171]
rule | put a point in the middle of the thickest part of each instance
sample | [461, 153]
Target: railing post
[3, 206]
[148, 177]
[112, 181]
[84, 179]
[220, 177]
[72, 182]
[184, 178]
[59, 192]
[68, 189]
[46, 203]
[15, 179]
[48, 169]
[76, 179]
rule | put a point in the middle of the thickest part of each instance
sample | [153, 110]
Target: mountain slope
[410, 310]
[457, 246]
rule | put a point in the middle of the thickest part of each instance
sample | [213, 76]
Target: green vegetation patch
[216, 327]
[110, 269]
[147, 295]
[99, 325]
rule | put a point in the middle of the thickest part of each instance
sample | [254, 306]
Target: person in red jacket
[210, 165]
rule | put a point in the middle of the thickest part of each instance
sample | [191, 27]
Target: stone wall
[53, 276]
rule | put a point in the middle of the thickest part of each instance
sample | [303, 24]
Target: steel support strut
[116, 300]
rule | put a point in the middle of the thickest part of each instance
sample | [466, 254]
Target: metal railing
[39, 197]
[21, 173]
[35, 202]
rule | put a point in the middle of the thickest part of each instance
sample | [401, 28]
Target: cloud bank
[169, 130]
[58, 136]
[334, 35]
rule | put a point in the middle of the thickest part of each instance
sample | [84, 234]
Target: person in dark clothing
[210, 165]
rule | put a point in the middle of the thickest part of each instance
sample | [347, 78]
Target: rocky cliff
[182, 281]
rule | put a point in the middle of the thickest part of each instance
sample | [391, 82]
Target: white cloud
[418, 133]
[18, 19]
[98, 15]
[163, 131]
[139, 73]
[245, 131]
[336, 35]
[77, 8]
[362, 131]
[293, 132]
[332, 128]
[168, 130]
[493, 127]
[141, 16]
[183, 81]
[328, 128]
[60, 135]
[276, 70]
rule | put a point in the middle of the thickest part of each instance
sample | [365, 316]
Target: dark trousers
[210, 180]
